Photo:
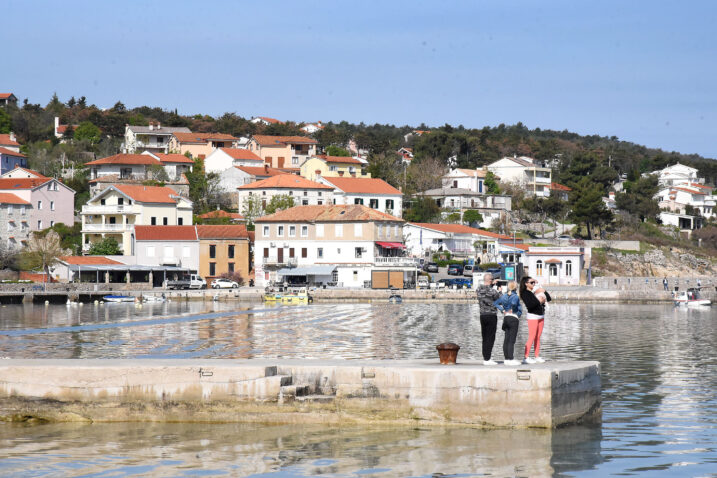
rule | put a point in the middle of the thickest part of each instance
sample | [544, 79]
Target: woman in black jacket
[536, 317]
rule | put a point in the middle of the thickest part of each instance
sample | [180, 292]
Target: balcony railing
[273, 261]
[107, 227]
[111, 209]
[394, 261]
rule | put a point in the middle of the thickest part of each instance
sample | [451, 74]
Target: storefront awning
[391, 245]
[307, 271]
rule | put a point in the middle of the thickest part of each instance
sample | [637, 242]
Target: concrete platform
[301, 391]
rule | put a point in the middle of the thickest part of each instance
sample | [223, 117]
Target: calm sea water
[659, 372]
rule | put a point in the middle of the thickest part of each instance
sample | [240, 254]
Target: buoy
[69, 302]
[47, 302]
[81, 303]
[97, 302]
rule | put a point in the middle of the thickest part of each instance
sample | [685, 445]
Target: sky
[644, 71]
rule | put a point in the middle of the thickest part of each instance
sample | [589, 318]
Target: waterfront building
[14, 222]
[372, 192]
[303, 191]
[321, 166]
[153, 138]
[223, 249]
[558, 265]
[424, 239]
[531, 175]
[283, 152]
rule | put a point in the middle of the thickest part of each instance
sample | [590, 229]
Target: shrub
[235, 276]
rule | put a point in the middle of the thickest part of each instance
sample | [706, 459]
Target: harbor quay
[402, 392]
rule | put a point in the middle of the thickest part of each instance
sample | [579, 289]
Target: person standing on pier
[510, 304]
[536, 317]
[487, 295]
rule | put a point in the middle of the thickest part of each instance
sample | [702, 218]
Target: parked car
[440, 283]
[423, 282]
[192, 281]
[565, 237]
[430, 267]
[462, 282]
[222, 283]
[495, 271]
[455, 270]
[468, 270]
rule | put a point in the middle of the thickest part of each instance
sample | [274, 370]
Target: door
[280, 162]
[553, 274]
[379, 279]
[395, 279]
[280, 255]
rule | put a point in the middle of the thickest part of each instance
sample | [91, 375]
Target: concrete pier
[301, 391]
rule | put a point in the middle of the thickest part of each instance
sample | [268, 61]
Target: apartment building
[532, 176]
[200, 145]
[303, 191]
[283, 152]
[334, 167]
[372, 192]
[153, 138]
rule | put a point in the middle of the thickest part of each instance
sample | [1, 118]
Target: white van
[423, 282]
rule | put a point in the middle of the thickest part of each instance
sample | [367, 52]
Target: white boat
[153, 298]
[118, 298]
[690, 298]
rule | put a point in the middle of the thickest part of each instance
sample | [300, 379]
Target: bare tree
[43, 252]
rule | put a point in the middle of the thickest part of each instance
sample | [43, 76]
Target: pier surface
[301, 391]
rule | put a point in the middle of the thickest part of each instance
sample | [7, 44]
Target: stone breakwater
[301, 391]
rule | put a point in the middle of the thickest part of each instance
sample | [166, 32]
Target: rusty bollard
[447, 353]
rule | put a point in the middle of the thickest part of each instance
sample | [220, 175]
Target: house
[265, 120]
[200, 145]
[457, 200]
[220, 216]
[223, 249]
[562, 191]
[154, 138]
[174, 245]
[609, 201]
[687, 199]
[222, 159]
[347, 246]
[423, 239]
[15, 220]
[138, 168]
[406, 155]
[372, 192]
[175, 165]
[558, 265]
[304, 192]
[676, 174]
[7, 99]
[230, 179]
[52, 201]
[413, 134]
[84, 269]
[8, 141]
[117, 209]
[320, 166]
[312, 128]
[532, 177]
[10, 160]
[61, 129]
[283, 151]
[684, 222]
[470, 179]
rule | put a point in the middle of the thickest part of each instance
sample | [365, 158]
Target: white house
[372, 192]
[491, 207]
[222, 159]
[312, 128]
[557, 265]
[423, 239]
[167, 246]
[304, 192]
[524, 171]
[677, 174]
[678, 198]
[470, 179]
[154, 138]
[137, 168]
[265, 120]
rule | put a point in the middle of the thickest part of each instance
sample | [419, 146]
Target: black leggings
[510, 326]
[488, 324]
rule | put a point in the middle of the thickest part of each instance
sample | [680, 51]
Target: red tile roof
[173, 158]
[460, 229]
[259, 171]
[237, 153]
[285, 181]
[22, 183]
[330, 213]
[8, 198]
[691, 191]
[220, 214]
[363, 185]
[10, 152]
[88, 260]
[559, 187]
[270, 120]
[6, 141]
[222, 232]
[200, 138]
[165, 233]
[339, 159]
[4, 96]
[125, 159]
[149, 194]
[475, 173]
[265, 140]
[702, 186]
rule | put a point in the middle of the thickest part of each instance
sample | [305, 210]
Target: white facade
[525, 172]
[302, 196]
[154, 138]
[470, 179]
[556, 265]
[677, 198]
[220, 161]
[424, 239]
[183, 254]
[677, 174]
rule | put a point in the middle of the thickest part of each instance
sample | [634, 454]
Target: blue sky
[644, 71]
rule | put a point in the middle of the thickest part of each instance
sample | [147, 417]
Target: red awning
[391, 245]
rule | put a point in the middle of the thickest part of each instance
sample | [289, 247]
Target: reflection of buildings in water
[575, 448]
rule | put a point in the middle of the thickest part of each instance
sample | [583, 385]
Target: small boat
[289, 298]
[690, 298]
[395, 299]
[118, 298]
[153, 298]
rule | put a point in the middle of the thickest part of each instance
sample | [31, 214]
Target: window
[52, 205]
[306, 193]
[358, 230]
[338, 251]
[380, 230]
[292, 231]
[212, 251]
[358, 252]
[212, 268]
[230, 267]
[280, 231]
[480, 186]
[39, 224]
[153, 221]
[186, 251]
[335, 276]
[339, 230]
[396, 231]
[455, 183]
[39, 204]
[320, 252]
[304, 231]
[294, 160]
[120, 201]
[319, 193]
[333, 168]
[320, 202]
[304, 252]
[52, 223]
[165, 221]
[553, 270]
[291, 193]
[568, 268]
[304, 202]
[539, 268]
[319, 230]
[230, 251]
[358, 201]
[265, 231]
[180, 221]
[22, 210]
[266, 252]
[373, 203]
[291, 253]
[355, 276]
[389, 204]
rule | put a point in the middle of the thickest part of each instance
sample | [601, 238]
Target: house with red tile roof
[311, 128]
[10, 160]
[8, 141]
[282, 151]
[69, 268]
[372, 192]
[15, 215]
[532, 175]
[222, 159]
[224, 249]
[423, 239]
[470, 179]
[118, 209]
[61, 129]
[138, 168]
[561, 190]
[303, 191]
[7, 99]
[265, 120]
[153, 138]
[322, 166]
[200, 145]
[173, 245]
[210, 216]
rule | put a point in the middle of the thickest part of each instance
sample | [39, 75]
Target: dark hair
[523, 287]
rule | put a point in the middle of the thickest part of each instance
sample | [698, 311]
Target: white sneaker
[528, 360]
[490, 362]
[539, 360]
[511, 362]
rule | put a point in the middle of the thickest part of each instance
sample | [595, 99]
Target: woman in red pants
[536, 317]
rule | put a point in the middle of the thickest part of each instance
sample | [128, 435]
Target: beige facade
[283, 151]
[220, 256]
[333, 167]
[200, 145]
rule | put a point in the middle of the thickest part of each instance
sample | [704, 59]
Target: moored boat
[118, 298]
[690, 298]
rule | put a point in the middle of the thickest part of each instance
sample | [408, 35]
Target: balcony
[111, 209]
[273, 261]
[107, 227]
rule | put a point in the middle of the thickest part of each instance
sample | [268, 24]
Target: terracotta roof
[559, 187]
[165, 233]
[6, 141]
[285, 181]
[222, 232]
[5, 96]
[260, 171]
[553, 261]
[22, 183]
[330, 213]
[691, 191]
[8, 198]
[702, 186]
[173, 158]
[363, 185]
[475, 173]
[200, 138]
[125, 159]
[265, 140]
[237, 153]
[460, 229]
[339, 159]
[10, 152]
[220, 214]
[270, 120]
[88, 260]
[149, 194]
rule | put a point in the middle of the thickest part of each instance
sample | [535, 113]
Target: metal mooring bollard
[447, 353]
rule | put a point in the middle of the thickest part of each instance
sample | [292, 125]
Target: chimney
[151, 126]
[12, 136]
[159, 125]
[611, 195]
[57, 123]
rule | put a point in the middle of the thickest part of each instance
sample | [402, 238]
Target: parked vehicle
[192, 281]
[564, 236]
[222, 283]
[455, 270]
[468, 270]
[462, 282]
[423, 282]
[430, 267]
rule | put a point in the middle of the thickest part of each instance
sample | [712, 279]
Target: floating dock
[301, 391]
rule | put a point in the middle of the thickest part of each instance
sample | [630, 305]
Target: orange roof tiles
[10, 152]
[461, 229]
[270, 120]
[237, 153]
[220, 214]
[330, 213]
[199, 138]
[125, 159]
[691, 191]
[479, 173]
[265, 140]
[259, 171]
[6, 141]
[173, 158]
[702, 186]
[22, 183]
[165, 233]
[285, 181]
[5, 96]
[363, 185]
[559, 187]
[149, 194]
[8, 198]
[339, 159]
[222, 232]
[89, 260]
